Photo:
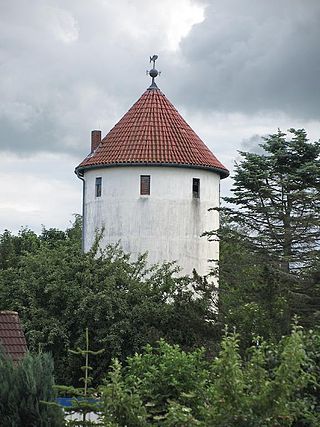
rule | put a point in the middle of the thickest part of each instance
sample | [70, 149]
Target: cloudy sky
[235, 69]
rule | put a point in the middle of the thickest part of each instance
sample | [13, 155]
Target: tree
[12, 247]
[165, 386]
[25, 388]
[277, 198]
[141, 393]
[275, 218]
[252, 296]
[59, 291]
[84, 399]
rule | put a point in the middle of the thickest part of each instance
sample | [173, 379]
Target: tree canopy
[277, 198]
[59, 291]
[270, 237]
[165, 386]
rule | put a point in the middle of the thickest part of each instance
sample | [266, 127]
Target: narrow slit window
[98, 186]
[196, 188]
[145, 185]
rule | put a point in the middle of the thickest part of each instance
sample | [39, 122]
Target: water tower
[149, 183]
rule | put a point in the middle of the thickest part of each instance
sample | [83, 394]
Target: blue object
[67, 401]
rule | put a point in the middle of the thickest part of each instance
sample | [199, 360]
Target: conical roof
[152, 132]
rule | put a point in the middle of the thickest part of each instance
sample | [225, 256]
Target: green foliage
[142, 392]
[121, 405]
[180, 416]
[277, 195]
[269, 272]
[24, 389]
[59, 291]
[253, 297]
[269, 263]
[167, 373]
[165, 386]
[12, 247]
[312, 345]
[84, 398]
[257, 392]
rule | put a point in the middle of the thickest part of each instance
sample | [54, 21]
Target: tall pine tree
[277, 198]
[276, 210]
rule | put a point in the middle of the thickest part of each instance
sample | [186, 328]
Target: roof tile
[12, 337]
[152, 132]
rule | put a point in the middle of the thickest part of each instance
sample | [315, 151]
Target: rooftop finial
[153, 73]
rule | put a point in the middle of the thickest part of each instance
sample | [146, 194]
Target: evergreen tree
[276, 213]
[84, 399]
[25, 387]
[252, 296]
[277, 198]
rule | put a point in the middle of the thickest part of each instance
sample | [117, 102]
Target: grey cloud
[254, 56]
[67, 68]
[252, 144]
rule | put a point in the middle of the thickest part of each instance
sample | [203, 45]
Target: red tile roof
[12, 338]
[152, 132]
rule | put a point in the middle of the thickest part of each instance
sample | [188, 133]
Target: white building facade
[149, 184]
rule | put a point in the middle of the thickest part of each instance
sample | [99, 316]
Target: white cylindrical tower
[149, 184]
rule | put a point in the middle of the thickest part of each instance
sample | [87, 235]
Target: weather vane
[153, 73]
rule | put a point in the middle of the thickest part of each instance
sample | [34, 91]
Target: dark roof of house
[152, 132]
[12, 338]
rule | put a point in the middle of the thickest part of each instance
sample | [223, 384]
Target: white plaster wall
[168, 223]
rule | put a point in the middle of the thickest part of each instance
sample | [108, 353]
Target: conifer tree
[277, 198]
[26, 392]
[84, 398]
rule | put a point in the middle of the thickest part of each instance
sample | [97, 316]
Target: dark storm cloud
[254, 56]
[67, 68]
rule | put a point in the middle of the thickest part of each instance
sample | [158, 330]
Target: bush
[164, 386]
[25, 387]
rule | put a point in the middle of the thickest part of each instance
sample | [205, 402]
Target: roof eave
[224, 173]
